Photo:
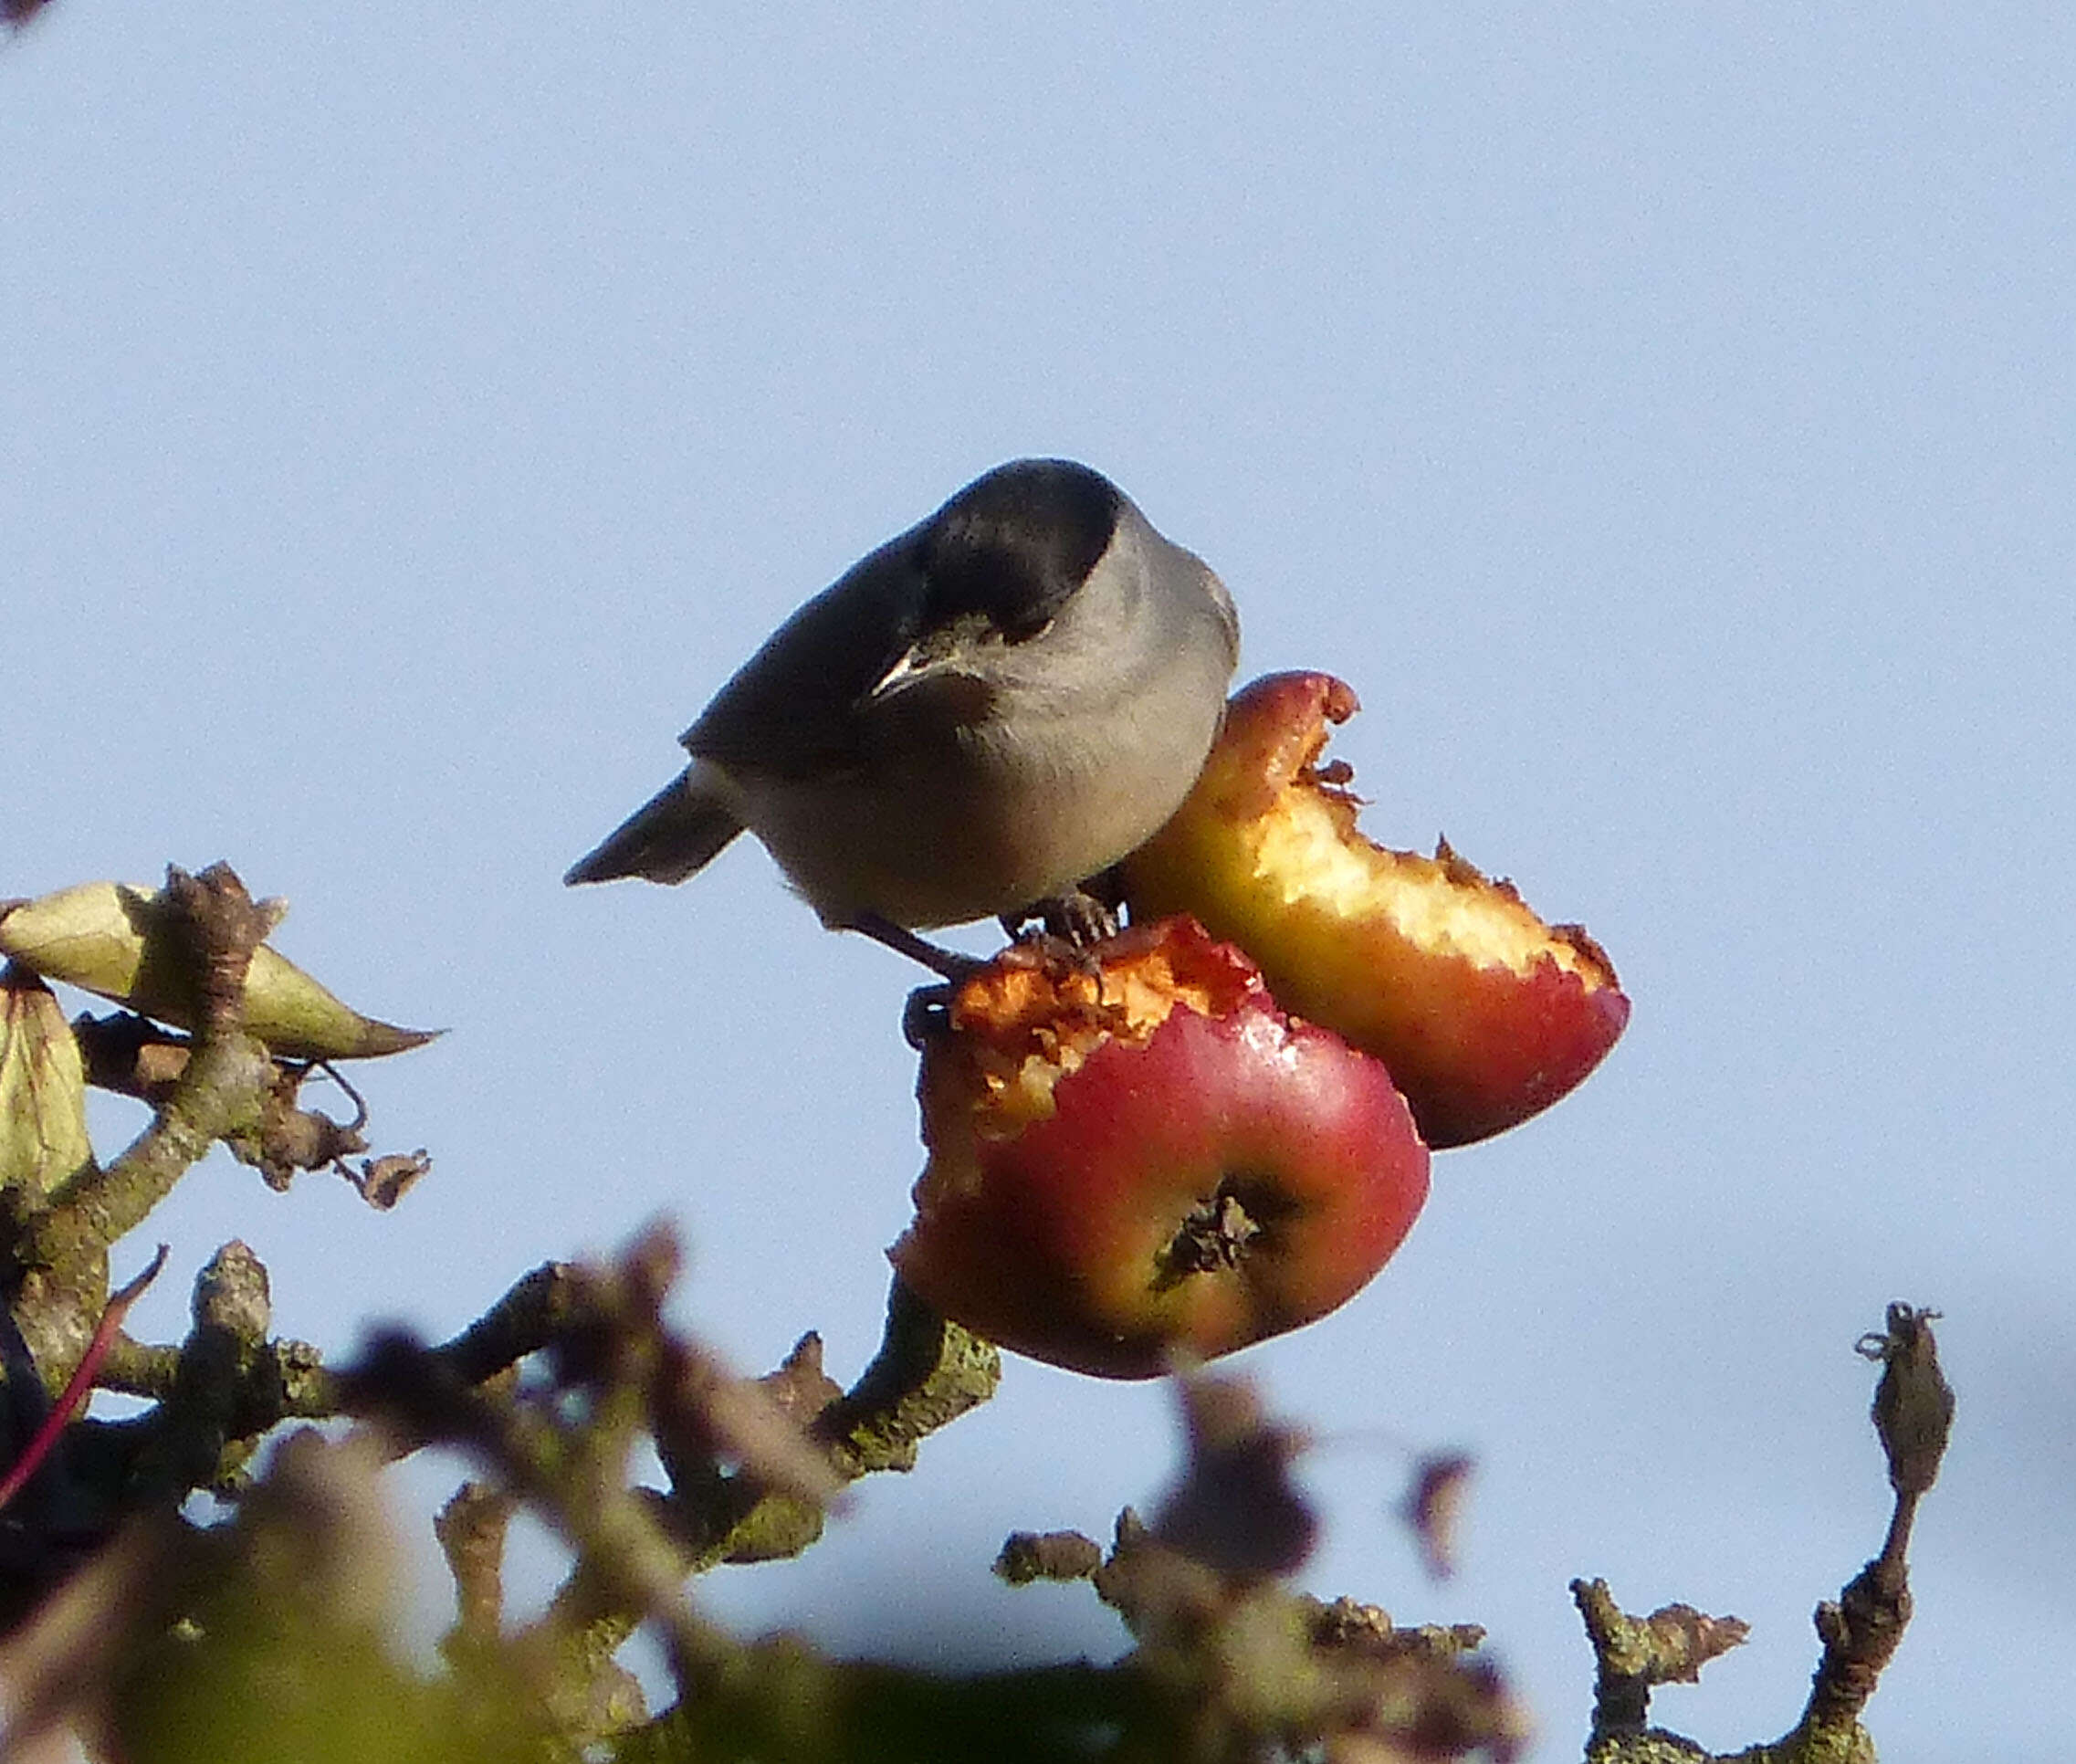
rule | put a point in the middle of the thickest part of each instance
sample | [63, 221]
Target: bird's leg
[952, 964]
[1078, 919]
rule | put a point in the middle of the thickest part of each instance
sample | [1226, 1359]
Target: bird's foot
[926, 1017]
[1080, 917]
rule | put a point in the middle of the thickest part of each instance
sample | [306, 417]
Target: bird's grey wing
[791, 709]
[677, 831]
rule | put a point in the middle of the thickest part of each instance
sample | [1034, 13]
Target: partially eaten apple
[1485, 1013]
[1137, 1159]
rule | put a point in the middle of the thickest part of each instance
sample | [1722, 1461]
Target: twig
[1914, 1414]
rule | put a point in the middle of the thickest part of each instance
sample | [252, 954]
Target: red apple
[1485, 1013]
[1135, 1159]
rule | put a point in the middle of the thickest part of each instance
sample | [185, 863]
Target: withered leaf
[43, 1089]
[114, 939]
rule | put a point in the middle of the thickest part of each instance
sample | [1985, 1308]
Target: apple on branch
[1485, 1013]
[1137, 1159]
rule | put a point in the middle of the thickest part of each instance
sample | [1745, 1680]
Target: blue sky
[1662, 420]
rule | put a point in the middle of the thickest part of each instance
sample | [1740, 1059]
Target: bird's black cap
[1012, 547]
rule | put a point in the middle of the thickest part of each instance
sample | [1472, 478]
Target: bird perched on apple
[1210, 1127]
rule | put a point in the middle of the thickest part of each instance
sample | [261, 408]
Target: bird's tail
[673, 835]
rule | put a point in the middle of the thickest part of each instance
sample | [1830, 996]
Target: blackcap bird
[988, 710]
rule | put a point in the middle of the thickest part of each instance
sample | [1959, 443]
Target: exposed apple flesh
[1485, 1013]
[1137, 1159]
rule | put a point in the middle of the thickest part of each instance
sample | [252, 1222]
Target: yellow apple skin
[1485, 1013]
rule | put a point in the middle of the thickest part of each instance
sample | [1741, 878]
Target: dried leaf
[1236, 1508]
[383, 1181]
[114, 939]
[43, 1089]
[1683, 1640]
[1435, 1506]
[1028, 1555]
